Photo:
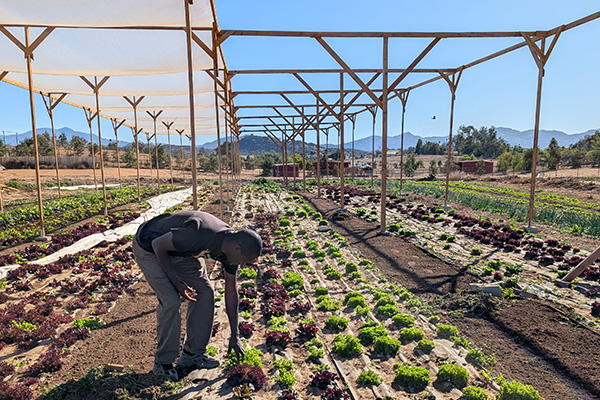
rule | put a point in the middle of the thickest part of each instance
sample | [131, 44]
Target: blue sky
[500, 92]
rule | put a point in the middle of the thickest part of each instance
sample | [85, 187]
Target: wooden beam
[348, 70]
[414, 63]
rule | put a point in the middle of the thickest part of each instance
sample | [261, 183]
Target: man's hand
[186, 291]
[235, 344]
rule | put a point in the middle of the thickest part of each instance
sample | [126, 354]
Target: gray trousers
[200, 313]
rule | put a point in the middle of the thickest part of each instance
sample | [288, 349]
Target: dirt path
[534, 342]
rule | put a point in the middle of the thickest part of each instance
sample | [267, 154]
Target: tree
[163, 157]
[208, 163]
[2, 148]
[78, 145]
[129, 159]
[267, 161]
[411, 165]
[480, 167]
[419, 146]
[593, 155]
[25, 148]
[575, 157]
[63, 141]
[96, 149]
[482, 142]
[553, 155]
[433, 169]
[504, 161]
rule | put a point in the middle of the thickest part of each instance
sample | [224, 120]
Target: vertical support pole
[96, 90]
[294, 149]
[318, 169]
[90, 117]
[374, 112]
[536, 131]
[137, 151]
[303, 157]
[353, 119]
[168, 126]
[116, 129]
[181, 154]
[341, 141]
[452, 84]
[384, 132]
[50, 107]
[403, 98]
[190, 67]
[28, 57]
[149, 156]
[227, 154]
[216, 76]
[327, 152]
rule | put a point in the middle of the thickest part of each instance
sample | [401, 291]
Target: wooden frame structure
[340, 111]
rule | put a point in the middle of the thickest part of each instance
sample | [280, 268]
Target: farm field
[331, 309]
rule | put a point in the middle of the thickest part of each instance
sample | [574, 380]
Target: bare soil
[534, 342]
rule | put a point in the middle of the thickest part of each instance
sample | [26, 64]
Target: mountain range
[253, 144]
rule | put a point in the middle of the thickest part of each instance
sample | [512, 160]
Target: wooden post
[403, 98]
[294, 149]
[216, 77]
[384, 127]
[134, 103]
[96, 90]
[116, 125]
[90, 118]
[318, 169]
[180, 132]
[582, 266]
[50, 105]
[28, 57]
[452, 80]
[353, 119]
[341, 140]
[154, 115]
[373, 110]
[227, 154]
[540, 56]
[190, 68]
[149, 157]
[303, 158]
[168, 126]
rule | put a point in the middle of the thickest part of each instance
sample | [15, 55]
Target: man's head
[242, 247]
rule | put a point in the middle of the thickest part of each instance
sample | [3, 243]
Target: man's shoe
[197, 361]
[166, 369]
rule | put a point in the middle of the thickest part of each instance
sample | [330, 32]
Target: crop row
[357, 317]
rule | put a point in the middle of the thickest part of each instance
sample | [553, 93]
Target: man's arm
[232, 305]
[161, 246]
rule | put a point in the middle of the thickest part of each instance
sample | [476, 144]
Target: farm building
[292, 170]
[333, 164]
[470, 166]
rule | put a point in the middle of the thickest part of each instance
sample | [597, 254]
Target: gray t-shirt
[194, 233]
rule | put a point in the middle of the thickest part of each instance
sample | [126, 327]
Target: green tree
[78, 145]
[163, 157]
[575, 157]
[482, 142]
[2, 148]
[593, 155]
[208, 163]
[433, 168]
[63, 141]
[419, 146]
[504, 161]
[267, 161]
[25, 148]
[129, 158]
[480, 167]
[552, 154]
[411, 165]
